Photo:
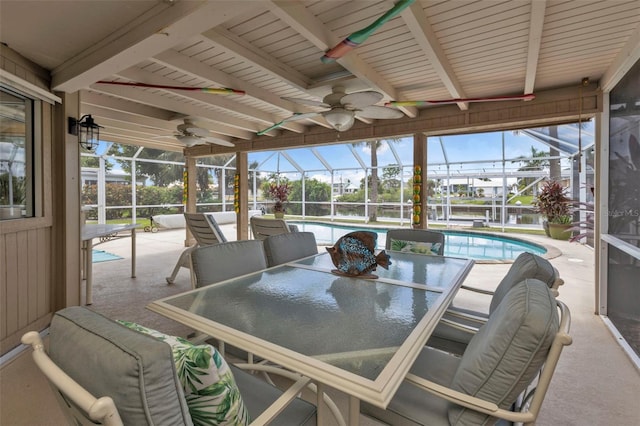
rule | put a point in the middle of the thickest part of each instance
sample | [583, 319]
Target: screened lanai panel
[340, 156]
[305, 159]
[403, 148]
[271, 162]
[566, 138]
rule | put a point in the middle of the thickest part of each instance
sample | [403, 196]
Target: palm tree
[374, 146]
[535, 161]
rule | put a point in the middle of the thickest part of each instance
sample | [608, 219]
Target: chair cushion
[284, 248]
[507, 352]
[415, 247]
[526, 265]
[107, 359]
[413, 406]
[219, 262]
[210, 389]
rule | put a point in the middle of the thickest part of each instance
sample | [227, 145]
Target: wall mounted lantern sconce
[87, 131]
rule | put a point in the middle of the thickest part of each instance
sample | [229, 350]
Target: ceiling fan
[190, 134]
[341, 109]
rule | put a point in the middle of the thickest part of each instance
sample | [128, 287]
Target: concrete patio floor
[595, 382]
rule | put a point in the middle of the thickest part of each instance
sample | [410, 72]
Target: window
[16, 155]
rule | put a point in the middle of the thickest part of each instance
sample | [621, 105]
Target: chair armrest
[477, 290]
[300, 382]
[458, 326]
[466, 316]
[102, 410]
[281, 403]
[468, 401]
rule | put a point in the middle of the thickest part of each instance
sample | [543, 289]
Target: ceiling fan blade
[374, 111]
[360, 100]
[294, 117]
[357, 38]
[528, 97]
[189, 140]
[217, 141]
[198, 131]
[307, 102]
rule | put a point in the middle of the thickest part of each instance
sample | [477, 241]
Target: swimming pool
[474, 245]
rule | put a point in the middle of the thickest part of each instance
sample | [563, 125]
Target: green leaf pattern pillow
[415, 247]
[210, 390]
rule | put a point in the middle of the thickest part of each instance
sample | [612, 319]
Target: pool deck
[595, 382]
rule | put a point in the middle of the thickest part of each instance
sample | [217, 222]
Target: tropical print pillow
[210, 390]
[415, 247]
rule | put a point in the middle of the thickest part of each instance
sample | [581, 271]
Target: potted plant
[280, 194]
[555, 205]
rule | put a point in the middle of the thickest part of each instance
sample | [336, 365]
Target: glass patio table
[359, 336]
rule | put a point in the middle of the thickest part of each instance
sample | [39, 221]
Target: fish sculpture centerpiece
[353, 255]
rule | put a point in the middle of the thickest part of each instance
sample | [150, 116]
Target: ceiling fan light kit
[190, 134]
[340, 119]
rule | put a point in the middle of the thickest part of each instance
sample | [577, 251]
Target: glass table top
[316, 314]
[358, 335]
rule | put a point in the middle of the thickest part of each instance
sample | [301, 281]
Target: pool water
[474, 245]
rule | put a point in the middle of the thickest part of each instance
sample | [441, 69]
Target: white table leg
[321, 413]
[354, 411]
[88, 274]
[133, 252]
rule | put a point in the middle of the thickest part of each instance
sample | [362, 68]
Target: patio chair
[262, 228]
[206, 232]
[136, 378]
[400, 237]
[219, 262]
[284, 248]
[458, 324]
[504, 374]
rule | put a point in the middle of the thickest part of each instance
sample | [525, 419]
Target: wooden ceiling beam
[422, 31]
[536, 23]
[162, 27]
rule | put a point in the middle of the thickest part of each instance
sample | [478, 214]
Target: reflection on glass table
[359, 336]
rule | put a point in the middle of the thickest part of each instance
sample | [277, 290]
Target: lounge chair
[504, 374]
[136, 377]
[206, 232]
[262, 228]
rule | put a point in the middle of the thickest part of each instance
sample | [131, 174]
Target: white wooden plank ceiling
[272, 49]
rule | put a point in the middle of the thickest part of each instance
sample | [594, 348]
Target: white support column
[304, 192]
[134, 193]
[332, 211]
[102, 189]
